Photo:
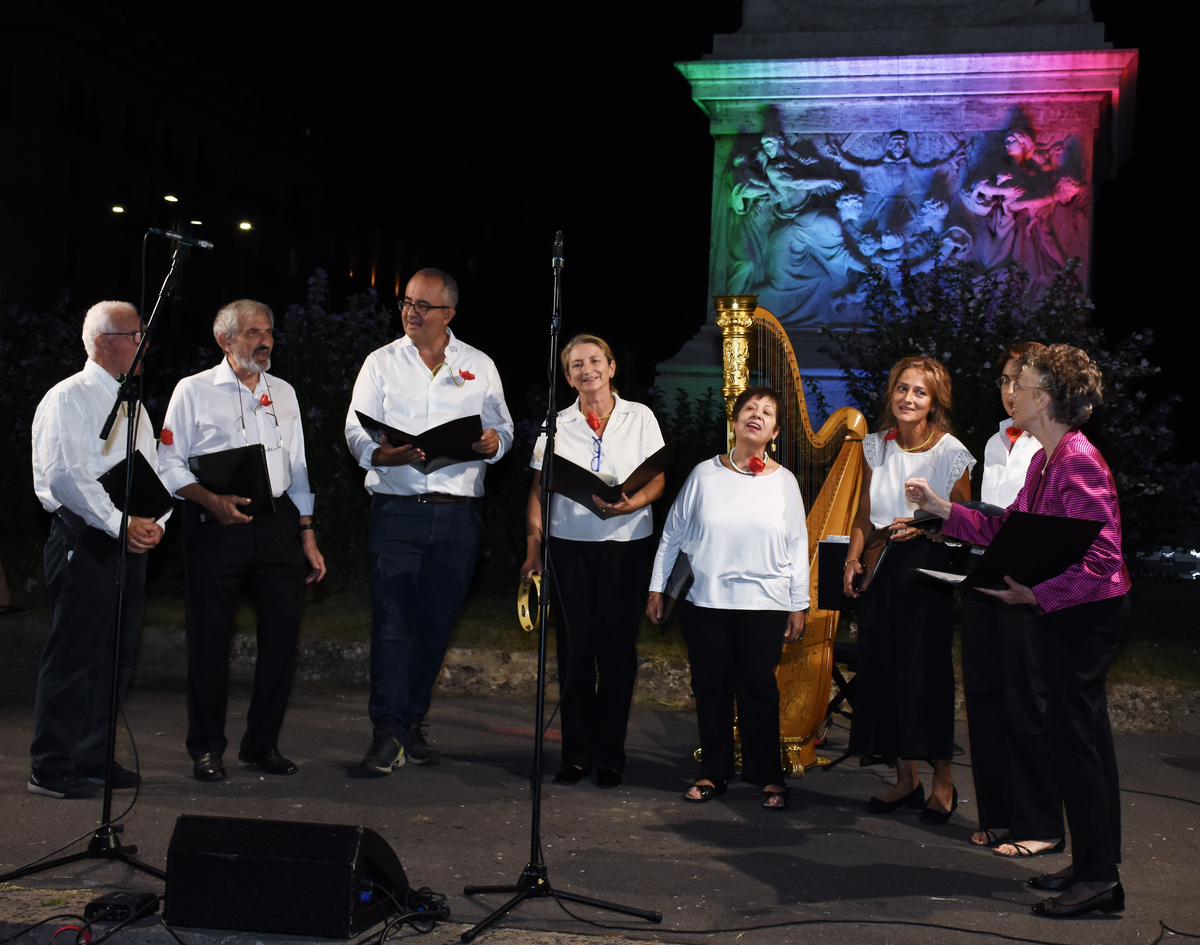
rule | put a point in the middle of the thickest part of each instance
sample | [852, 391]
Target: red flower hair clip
[166, 438]
[755, 465]
[264, 401]
[466, 375]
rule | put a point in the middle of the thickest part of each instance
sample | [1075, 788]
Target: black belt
[436, 498]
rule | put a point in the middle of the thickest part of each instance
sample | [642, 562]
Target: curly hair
[1015, 353]
[1071, 378]
[938, 380]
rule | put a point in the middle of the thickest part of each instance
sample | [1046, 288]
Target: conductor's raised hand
[487, 444]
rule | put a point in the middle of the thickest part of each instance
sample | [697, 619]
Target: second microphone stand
[534, 881]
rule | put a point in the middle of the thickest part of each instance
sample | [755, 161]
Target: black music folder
[443, 445]
[579, 484]
[1030, 548]
[241, 472]
[149, 497]
[675, 591]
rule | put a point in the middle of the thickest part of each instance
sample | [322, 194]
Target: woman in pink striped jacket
[1085, 612]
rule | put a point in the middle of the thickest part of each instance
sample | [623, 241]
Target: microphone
[185, 240]
[557, 261]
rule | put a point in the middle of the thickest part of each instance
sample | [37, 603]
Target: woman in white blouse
[598, 564]
[904, 690]
[740, 520]
[1004, 674]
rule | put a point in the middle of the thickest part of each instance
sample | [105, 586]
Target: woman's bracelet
[849, 561]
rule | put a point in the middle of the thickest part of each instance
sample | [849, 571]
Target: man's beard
[249, 364]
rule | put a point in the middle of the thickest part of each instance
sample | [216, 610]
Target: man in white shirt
[71, 714]
[230, 406]
[426, 529]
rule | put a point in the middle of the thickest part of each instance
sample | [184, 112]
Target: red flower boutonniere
[166, 438]
[593, 421]
[1014, 433]
[466, 375]
[264, 401]
[892, 433]
[755, 465]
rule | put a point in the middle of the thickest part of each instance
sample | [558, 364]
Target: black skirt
[904, 690]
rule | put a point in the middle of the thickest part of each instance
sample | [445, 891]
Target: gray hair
[100, 319]
[449, 286]
[225, 325]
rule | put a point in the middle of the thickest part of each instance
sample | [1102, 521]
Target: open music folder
[579, 484]
[1030, 548]
[443, 445]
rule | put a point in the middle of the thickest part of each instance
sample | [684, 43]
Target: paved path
[822, 872]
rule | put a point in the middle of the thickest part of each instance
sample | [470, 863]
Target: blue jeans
[422, 558]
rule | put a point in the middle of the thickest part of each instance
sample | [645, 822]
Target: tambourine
[530, 616]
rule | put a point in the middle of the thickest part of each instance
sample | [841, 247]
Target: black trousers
[217, 558]
[1083, 640]
[1004, 681]
[599, 588]
[70, 716]
[733, 654]
[904, 689]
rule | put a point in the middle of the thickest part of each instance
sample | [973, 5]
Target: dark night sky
[476, 131]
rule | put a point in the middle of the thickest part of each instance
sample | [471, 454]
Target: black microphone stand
[105, 844]
[534, 881]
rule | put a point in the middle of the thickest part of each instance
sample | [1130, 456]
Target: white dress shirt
[213, 411]
[1005, 463]
[746, 537]
[632, 435]
[942, 466]
[68, 454]
[395, 387]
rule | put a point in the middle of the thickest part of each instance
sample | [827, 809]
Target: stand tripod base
[535, 884]
[104, 845]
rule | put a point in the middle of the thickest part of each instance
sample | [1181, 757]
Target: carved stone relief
[805, 214]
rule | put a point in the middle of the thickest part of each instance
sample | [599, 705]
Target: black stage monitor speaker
[331, 880]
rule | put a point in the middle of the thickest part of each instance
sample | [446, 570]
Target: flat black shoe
[936, 817]
[123, 778]
[270, 761]
[572, 774]
[607, 777]
[208, 767]
[1111, 900]
[1048, 883]
[913, 800]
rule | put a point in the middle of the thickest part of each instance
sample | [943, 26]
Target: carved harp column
[735, 318]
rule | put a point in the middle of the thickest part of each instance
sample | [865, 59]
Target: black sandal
[707, 792]
[784, 796]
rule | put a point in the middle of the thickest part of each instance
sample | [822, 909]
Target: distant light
[196, 222]
[244, 226]
[169, 198]
[118, 209]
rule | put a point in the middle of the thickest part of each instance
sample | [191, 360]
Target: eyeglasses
[1016, 386]
[421, 307]
[595, 454]
[1004, 381]
[135, 335]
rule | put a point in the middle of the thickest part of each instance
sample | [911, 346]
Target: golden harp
[828, 465]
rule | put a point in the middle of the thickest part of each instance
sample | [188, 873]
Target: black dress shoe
[607, 777]
[936, 817]
[208, 767]
[1111, 900]
[572, 774]
[270, 761]
[914, 800]
[1048, 883]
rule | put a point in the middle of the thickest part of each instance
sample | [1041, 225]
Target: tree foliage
[966, 318]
